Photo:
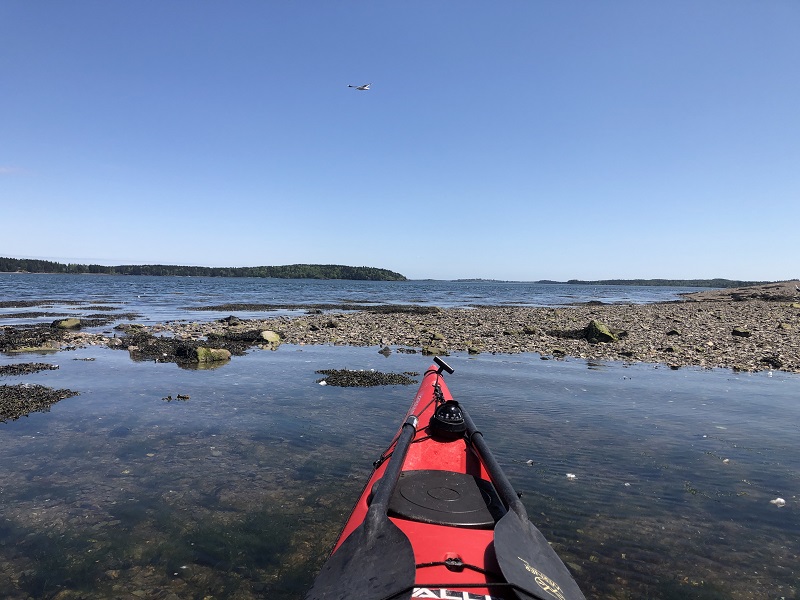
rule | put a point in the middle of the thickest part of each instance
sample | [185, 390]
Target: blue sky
[518, 140]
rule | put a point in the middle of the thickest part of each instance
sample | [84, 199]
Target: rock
[434, 351]
[25, 368]
[773, 361]
[530, 330]
[71, 323]
[673, 332]
[740, 332]
[204, 354]
[473, 350]
[270, 337]
[22, 399]
[231, 320]
[599, 332]
[349, 378]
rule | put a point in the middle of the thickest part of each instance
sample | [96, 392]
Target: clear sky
[522, 140]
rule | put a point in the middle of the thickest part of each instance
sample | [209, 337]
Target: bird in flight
[363, 88]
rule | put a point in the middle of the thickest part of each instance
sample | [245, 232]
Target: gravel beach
[746, 329]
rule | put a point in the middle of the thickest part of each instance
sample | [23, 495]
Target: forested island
[24, 265]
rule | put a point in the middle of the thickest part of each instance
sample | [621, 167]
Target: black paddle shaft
[387, 483]
[499, 479]
[526, 559]
[377, 559]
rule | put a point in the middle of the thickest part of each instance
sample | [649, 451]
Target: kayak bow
[438, 518]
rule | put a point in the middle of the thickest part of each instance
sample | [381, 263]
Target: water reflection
[241, 490]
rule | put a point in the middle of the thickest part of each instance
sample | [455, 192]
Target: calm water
[240, 491]
[168, 298]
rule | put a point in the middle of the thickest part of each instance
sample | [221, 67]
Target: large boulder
[433, 350]
[270, 337]
[270, 340]
[205, 355]
[597, 331]
[71, 323]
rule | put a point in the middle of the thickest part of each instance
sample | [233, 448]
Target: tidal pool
[240, 491]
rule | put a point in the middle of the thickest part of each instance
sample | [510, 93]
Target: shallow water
[158, 299]
[240, 491]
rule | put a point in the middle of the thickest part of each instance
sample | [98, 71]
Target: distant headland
[701, 283]
[24, 265]
[706, 283]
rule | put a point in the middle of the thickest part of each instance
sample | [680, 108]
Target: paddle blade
[528, 561]
[368, 565]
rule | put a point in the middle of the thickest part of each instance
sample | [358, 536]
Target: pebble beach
[744, 329]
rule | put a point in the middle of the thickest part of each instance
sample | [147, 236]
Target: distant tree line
[13, 265]
[709, 283]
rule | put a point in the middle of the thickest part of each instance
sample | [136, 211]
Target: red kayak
[439, 519]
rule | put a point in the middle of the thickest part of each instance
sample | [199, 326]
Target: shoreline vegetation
[299, 271]
[316, 271]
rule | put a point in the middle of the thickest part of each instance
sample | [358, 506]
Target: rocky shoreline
[744, 329]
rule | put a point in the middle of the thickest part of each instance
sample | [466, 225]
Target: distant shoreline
[323, 272]
[296, 271]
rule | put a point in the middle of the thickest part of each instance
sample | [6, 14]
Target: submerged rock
[25, 368]
[20, 400]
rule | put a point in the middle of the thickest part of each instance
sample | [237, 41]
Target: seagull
[362, 88]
